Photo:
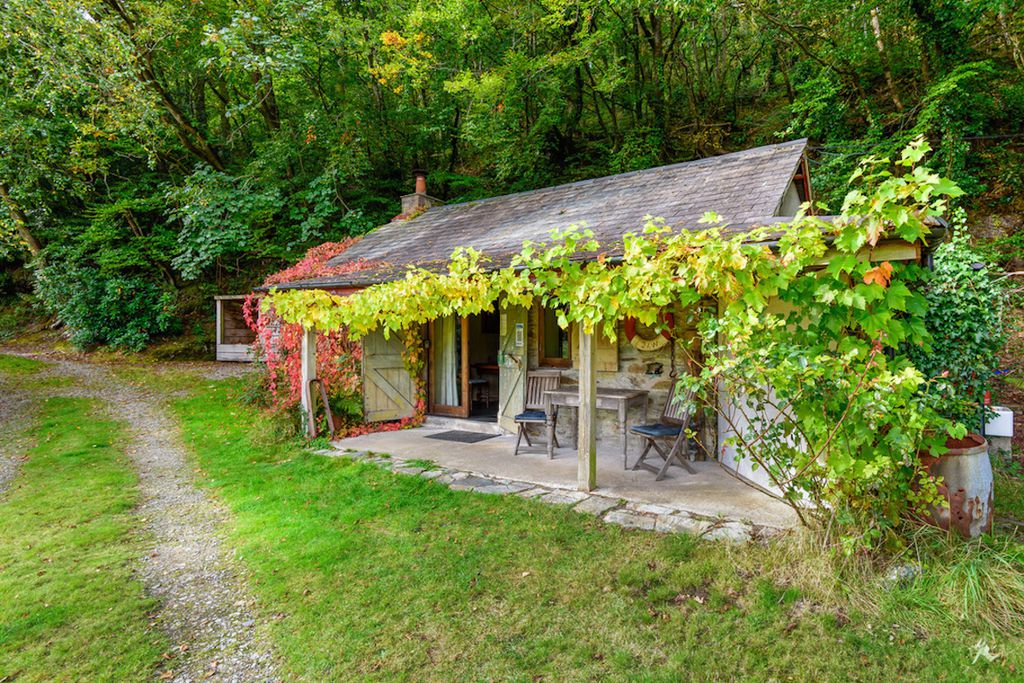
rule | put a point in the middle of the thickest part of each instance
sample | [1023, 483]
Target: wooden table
[619, 400]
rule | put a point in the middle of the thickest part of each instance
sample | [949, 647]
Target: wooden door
[388, 389]
[512, 359]
[448, 368]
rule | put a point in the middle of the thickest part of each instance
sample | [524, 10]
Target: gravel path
[207, 610]
[15, 410]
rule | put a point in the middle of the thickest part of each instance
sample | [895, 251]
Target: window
[554, 343]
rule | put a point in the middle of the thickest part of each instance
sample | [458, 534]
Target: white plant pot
[1001, 424]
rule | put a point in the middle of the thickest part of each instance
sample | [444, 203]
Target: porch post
[308, 372]
[587, 441]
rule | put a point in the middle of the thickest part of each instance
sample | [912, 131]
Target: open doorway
[462, 367]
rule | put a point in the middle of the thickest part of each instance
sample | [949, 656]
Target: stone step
[461, 424]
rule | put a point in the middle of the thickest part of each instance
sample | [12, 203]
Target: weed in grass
[320, 443]
[425, 465]
[980, 582]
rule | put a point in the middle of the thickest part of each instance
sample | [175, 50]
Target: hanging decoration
[646, 338]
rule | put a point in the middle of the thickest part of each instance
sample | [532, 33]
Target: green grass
[375, 575]
[70, 608]
[1009, 489]
[16, 366]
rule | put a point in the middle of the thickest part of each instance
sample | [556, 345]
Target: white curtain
[446, 362]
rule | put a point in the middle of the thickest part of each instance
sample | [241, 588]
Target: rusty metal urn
[967, 485]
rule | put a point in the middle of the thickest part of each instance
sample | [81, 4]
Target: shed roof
[745, 188]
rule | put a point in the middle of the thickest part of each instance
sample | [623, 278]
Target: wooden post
[220, 322]
[308, 370]
[587, 438]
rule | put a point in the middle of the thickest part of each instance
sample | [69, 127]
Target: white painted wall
[728, 453]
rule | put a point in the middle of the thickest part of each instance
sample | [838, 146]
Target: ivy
[964, 317]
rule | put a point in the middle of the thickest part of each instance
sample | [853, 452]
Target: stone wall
[635, 371]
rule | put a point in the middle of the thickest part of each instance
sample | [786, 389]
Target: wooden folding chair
[672, 427]
[537, 382]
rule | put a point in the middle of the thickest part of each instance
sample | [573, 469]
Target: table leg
[622, 428]
[549, 426]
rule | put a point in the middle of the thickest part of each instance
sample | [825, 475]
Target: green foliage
[819, 111]
[957, 106]
[965, 324]
[99, 309]
[221, 216]
[826, 401]
[212, 141]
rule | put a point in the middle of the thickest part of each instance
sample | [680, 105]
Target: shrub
[964, 319]
[122, 311]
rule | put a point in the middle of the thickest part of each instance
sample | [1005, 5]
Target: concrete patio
[711, 494]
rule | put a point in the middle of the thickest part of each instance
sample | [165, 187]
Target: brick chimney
[419, 201]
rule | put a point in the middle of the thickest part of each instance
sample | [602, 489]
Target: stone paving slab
[563, 497]
[631, 514]
[533, 492]
[651, 508]
[739, 532]
[470, 483]
[500, 488]
[685, 524]
[630, 519]
[596, 505]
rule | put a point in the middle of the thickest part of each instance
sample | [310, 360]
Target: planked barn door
[388, 391]
[512, 359]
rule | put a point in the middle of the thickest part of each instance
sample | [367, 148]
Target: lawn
[70, 608]
[367, 574]
[16, 366]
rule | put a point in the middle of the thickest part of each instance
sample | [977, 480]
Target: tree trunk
[191, 138]
[1012, 42]
[876, 28]
[20, 221]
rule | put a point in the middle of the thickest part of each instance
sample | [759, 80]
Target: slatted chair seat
[671, 428]
[537, 383]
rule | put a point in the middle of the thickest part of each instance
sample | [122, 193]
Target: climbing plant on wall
[278, 347]
[806, 338]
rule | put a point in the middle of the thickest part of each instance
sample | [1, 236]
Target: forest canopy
[174, 149]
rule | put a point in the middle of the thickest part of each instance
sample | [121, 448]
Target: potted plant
[964, 319]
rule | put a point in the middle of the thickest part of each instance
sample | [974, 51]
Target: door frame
[461, 410]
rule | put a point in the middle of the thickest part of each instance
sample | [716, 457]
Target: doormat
[460, 436]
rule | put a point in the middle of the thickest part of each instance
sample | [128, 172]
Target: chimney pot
[419, 201]
[421, 181]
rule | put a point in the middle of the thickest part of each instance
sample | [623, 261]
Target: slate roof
[745, 188]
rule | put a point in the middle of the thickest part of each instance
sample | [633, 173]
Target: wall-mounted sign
[519, 334]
